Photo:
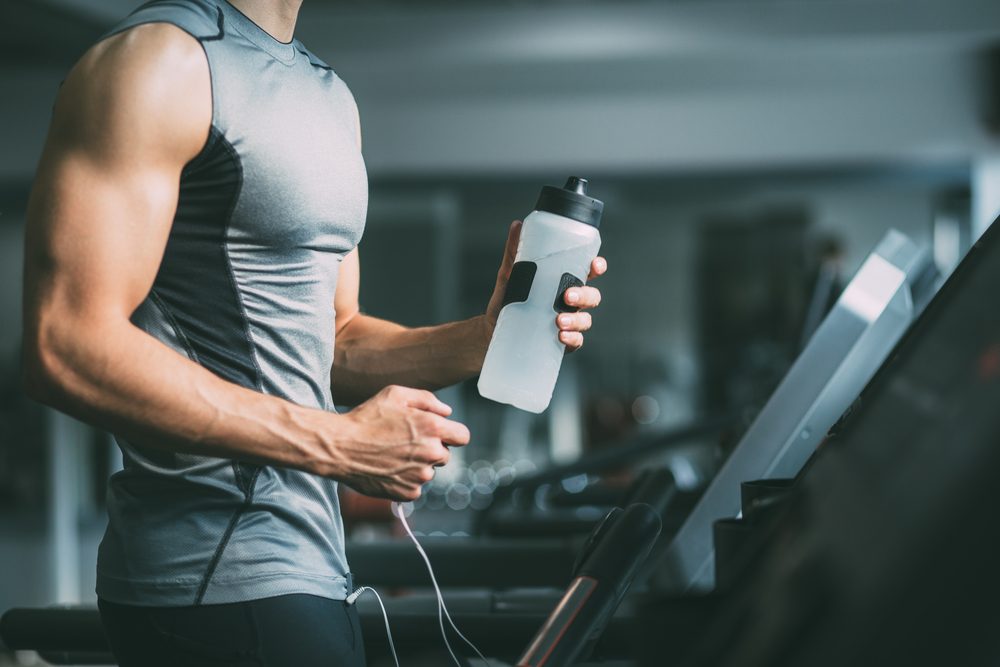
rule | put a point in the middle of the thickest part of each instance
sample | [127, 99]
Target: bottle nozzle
[571, 201]
[577, 185]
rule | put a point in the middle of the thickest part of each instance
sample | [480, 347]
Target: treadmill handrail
[622, 544]
[625, 451]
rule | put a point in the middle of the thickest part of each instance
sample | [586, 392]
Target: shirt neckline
[282, 51]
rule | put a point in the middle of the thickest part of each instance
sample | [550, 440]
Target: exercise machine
[888, 291]
[882, 551]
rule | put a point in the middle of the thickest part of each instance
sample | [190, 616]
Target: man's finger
[583, 297]
[451, 432]
[425, 400]
[574, 322]
[444, 455]
[571, 339]
[598, 267]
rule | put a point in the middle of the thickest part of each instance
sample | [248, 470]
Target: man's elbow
[44, 368]
[37, 376]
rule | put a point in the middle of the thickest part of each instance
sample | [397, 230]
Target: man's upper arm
[130, 115]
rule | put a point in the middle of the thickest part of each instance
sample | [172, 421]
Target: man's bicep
[106, 189]
[94, 237]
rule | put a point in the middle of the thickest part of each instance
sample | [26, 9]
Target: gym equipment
[883, 551]
[616, 551]
[503, 563]
[573, 513]
[521, 493]
[876, 307]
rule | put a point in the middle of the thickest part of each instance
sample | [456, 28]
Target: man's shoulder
[161, 37]
[201, 19]
[154, 51]
[147, 86]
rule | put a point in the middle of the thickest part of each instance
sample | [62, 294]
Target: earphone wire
[437, 590]
[385, 617]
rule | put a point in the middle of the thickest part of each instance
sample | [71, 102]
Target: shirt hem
[183, 594]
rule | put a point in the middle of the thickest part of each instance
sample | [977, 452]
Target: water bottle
[559, 241]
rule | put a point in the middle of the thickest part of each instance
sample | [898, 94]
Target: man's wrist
[321, 453]
[483, 334]
[486, 326]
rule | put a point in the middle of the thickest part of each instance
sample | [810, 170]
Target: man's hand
[571, 325]
[397, 439]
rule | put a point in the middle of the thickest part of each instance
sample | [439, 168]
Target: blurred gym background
[750, 154]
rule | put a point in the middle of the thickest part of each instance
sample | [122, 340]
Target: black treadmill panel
[888, 552]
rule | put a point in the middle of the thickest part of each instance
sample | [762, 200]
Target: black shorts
[288, 630]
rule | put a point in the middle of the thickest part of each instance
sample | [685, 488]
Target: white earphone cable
[397, 509]
[385, 616]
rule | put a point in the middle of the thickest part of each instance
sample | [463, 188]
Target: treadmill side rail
[619, 547]
[558, 622]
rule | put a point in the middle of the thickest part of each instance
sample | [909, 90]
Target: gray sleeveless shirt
[266, 212]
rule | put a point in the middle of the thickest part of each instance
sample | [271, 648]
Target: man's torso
[265, 214]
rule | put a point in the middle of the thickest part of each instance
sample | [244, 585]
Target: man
[190, 258]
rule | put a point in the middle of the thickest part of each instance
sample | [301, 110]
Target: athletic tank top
[265, 215]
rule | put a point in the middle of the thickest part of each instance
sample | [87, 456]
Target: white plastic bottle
[559, 241]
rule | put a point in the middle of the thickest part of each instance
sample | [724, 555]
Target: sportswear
[266, 212]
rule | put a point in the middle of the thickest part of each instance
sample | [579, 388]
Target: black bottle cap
[571, 201]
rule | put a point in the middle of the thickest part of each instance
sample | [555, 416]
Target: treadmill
[884, 552]
[887, 293]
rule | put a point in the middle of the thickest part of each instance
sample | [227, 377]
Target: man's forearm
[372, 353]
[121, 379]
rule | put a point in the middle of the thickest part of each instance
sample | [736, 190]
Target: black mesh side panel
[195, 282]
